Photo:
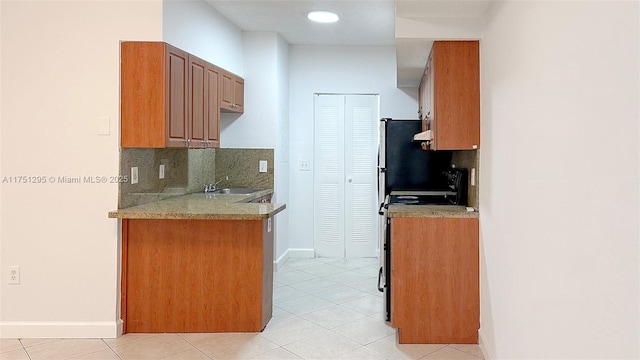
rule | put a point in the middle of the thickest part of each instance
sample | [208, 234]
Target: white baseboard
[61, 329]
[487, 350]
[302, 253]
[293, 253]
[281, 260]
[119, 328]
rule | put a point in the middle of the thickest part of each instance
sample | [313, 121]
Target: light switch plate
[263, 166]
[161, 172]
[104, 126]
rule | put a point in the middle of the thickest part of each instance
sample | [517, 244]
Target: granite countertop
[431, 211]
[203, 206]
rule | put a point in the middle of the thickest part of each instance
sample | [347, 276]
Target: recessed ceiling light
[323, 16]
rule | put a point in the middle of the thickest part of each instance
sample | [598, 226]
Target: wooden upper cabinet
[451, 95]
[167, 98]
[204, 108]
[198, 107]
[212, 116]
[421, 96]
[178, 97]
[231, 92]
[238, 91]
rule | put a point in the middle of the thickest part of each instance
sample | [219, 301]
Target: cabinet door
[231, 92]
[428, 97]
[421, 97]
[456, 95]
[212, 124]
[198, 107]
[142, 94]
[177, 97]
[435, 280]
[226, 90]
[238, 94]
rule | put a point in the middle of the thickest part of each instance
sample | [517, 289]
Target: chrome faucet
[213, 187]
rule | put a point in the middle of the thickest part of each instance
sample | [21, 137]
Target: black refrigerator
[402, 164]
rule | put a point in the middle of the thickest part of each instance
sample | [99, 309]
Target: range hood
[423, 136]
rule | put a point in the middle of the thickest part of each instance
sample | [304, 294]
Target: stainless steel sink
[234, 191]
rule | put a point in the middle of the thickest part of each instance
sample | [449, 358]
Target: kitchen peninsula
[198, 263]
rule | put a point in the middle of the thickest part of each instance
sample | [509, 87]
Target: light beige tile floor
[323, 309]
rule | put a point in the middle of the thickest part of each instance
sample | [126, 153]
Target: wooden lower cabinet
[435, 293]
[196, 275]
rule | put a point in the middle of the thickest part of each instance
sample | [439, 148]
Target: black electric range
[455, 193]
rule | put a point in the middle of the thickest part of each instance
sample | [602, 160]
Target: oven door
[384, 275]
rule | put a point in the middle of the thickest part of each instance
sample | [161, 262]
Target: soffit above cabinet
[410, 25]
[420, 23]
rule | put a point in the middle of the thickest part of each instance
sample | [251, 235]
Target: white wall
[195, 27]
[282, 149]
[60, 74]
[332, 69]
[261, 59]
[257, 126]
[264, 123]
[560, 189]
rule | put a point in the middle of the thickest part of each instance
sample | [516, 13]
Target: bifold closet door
[345, 190]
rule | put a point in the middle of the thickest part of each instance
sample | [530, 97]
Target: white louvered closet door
[361, 189]
[345, 189]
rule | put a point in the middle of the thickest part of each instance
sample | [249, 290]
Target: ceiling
[410, 25]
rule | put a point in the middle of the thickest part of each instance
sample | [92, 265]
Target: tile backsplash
[242, 165]
[468, 159]
[188, 170]
[201, 169]
[150, 187]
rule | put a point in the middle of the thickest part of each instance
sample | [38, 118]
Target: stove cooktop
[423, 199]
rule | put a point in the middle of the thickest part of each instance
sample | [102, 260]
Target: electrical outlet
[161, 171]
[104, 125]
[134, 175]
[14, 275]
[304, 165]
[473, 177]
[263, 166]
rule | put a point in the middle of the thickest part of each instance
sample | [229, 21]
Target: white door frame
[337, 181]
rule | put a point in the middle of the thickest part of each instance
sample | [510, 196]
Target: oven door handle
[380, 288]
